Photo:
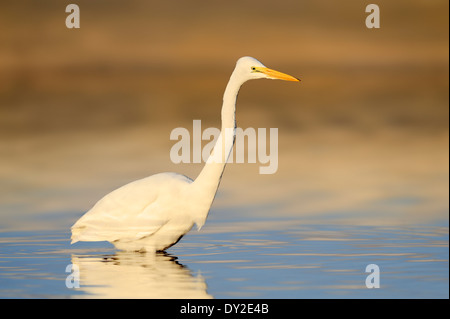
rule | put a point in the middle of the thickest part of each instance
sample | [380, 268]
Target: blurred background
[363, 139]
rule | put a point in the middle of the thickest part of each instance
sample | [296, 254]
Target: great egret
[153, 213]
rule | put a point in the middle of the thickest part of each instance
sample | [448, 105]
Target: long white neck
[209, 178]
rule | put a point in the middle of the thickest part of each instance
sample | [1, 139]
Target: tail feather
[76, 233]
[84, 233]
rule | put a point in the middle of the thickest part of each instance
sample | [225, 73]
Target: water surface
[278, 259]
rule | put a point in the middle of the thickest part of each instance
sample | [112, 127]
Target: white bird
[153, 213]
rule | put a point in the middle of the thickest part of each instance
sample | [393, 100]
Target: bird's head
[249, 68]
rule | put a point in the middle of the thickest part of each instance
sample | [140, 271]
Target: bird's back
[133, 211]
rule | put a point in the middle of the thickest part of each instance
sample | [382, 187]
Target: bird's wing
[128, 213]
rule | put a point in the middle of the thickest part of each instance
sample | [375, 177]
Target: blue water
[233, 259]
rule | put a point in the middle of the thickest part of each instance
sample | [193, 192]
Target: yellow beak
[272, 74]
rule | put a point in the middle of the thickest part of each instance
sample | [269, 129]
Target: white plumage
[153, 213]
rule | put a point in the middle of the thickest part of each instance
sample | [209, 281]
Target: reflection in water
[138, 275]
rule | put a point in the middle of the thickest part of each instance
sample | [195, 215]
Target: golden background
[362, 139]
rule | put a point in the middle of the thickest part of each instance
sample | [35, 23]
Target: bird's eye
[253, 68]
